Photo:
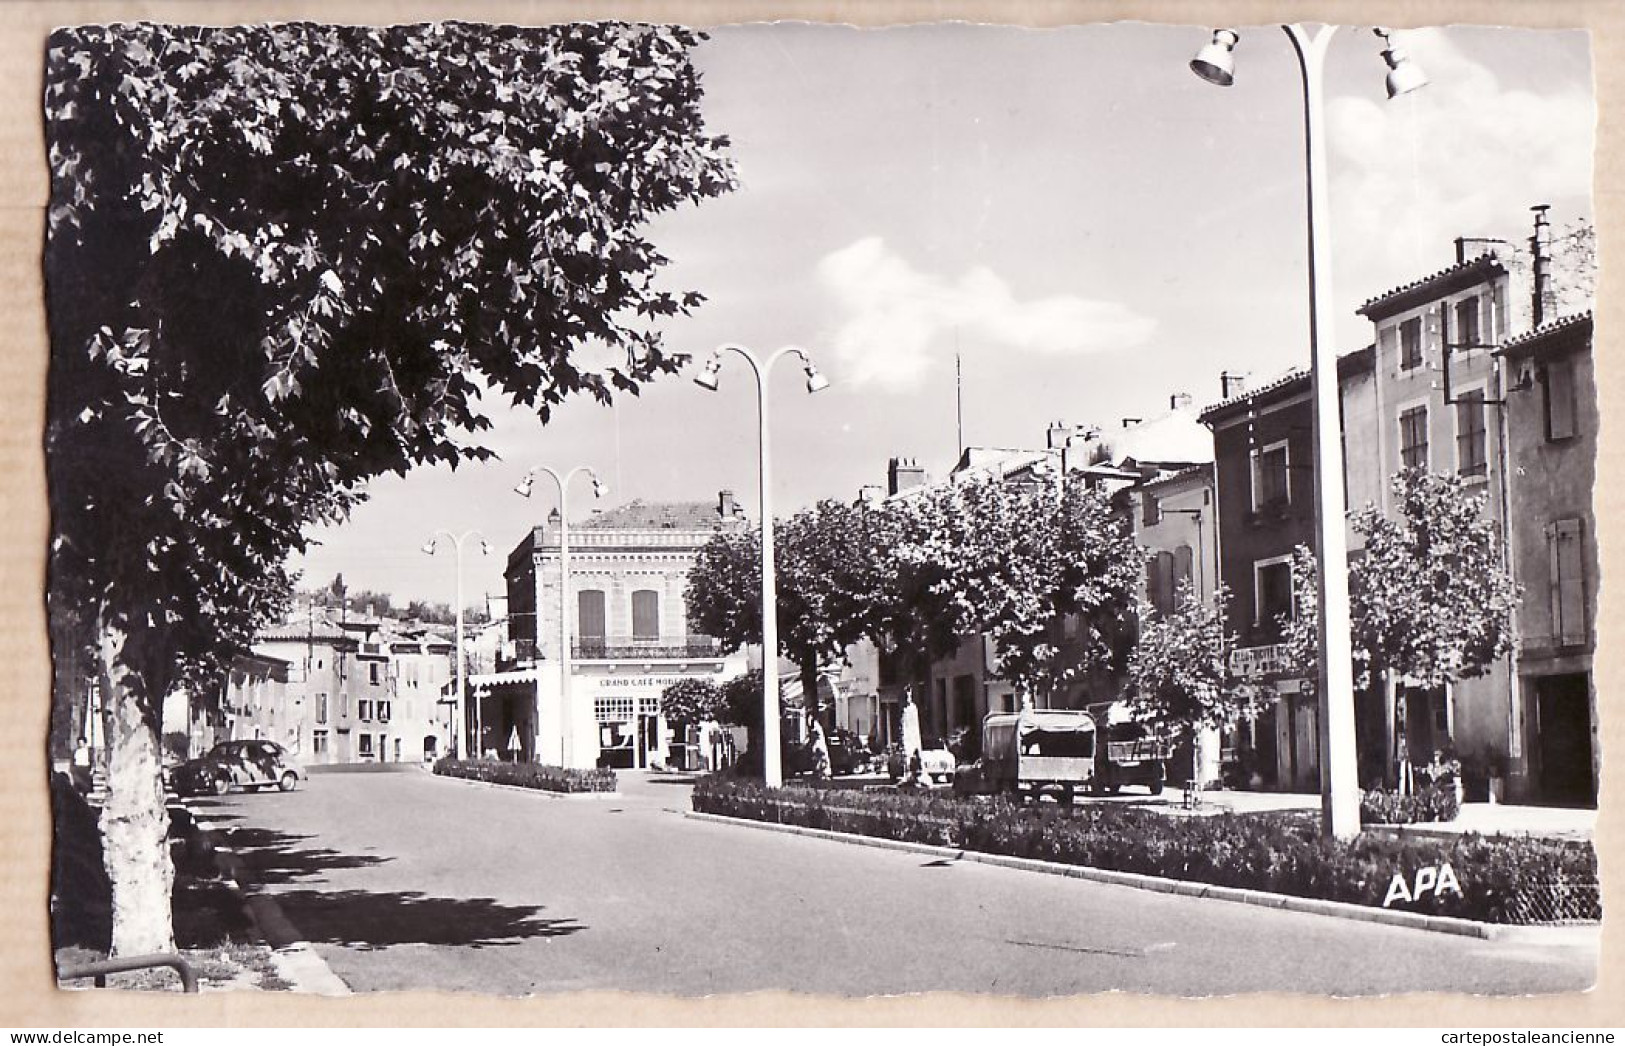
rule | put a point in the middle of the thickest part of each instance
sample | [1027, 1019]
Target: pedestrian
[82, 776]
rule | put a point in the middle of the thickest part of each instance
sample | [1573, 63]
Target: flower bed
[1278, 853]
[1434, 802]
[528, 775]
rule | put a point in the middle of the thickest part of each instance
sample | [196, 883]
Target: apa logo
[1429, 879]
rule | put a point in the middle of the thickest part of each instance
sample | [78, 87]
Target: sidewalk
[1550, 822]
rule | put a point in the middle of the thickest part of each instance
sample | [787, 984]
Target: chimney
[725, 504]
[1540, 244]
[904, 474]
[1232, 383]
[1055, 436]
[1179, 401]
[1129, 423]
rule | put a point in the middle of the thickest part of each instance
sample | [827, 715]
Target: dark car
[248, 765]
[847, 752]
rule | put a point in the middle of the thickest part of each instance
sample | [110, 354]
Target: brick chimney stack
[904, 474]
[1232, 383]
[1179, 401]
[1055, 436]
[727, 508]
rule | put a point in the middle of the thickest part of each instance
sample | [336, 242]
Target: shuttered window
[1413, 438]
[1565, 552]
[1272, 472]
[1182, 564]
[1159, 581]
[1560, 399]
[1466, 334]
[1410, 344]
[645, 614]
[1470, 433]
[590, 615]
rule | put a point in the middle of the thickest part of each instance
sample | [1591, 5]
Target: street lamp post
[1339, 781]
[772, 771]
[566, 688]
[462, 693]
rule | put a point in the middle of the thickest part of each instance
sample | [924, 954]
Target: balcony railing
[632, 648]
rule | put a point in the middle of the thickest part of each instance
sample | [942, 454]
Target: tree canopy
[285, 259]
[1431, 596]
[1180, 668]
[690, 701]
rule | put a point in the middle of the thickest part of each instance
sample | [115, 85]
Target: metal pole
[462, 683]
[566, 695]
[772, 769]
[1339, 784]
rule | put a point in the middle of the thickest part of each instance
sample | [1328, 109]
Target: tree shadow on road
[367, 920]
[274, 858]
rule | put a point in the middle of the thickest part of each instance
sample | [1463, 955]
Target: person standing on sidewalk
[83, 778]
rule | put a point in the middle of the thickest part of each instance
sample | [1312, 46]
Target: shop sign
[1256, 662]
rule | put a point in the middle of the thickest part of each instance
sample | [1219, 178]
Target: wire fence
[1556, 902]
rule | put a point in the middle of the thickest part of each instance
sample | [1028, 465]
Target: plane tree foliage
[283, 260]
[920, 573]
[1431, 598]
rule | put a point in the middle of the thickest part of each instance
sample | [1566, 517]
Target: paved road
[406, 881]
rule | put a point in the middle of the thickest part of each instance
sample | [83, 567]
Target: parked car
[237, 764]
[937, 763]
[847, 753]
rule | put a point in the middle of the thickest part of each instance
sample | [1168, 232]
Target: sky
[1087, 226]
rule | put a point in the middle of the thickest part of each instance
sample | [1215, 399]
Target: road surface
[406, 881]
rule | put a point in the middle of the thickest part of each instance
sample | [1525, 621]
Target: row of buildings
[1469, 371]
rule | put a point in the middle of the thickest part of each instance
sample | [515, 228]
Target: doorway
[1563, 725]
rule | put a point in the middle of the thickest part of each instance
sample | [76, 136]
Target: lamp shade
[1404, 75]
[1216, 62]
[707, 378]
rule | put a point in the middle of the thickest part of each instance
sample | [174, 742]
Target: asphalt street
[406, 881]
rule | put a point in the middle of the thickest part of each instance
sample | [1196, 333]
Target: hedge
[1278, 853]
[1434, 802]
[528, 775]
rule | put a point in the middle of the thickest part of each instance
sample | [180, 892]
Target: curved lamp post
[772, 771]
[566, 689]
[1215, 63]
[462, 695]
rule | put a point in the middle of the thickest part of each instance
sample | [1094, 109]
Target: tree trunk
[812, 712]
[135, 821]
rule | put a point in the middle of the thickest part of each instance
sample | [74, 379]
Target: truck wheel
[289, 781]
[1155, 786]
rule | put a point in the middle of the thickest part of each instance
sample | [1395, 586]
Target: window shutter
[1388, 347]
[1560, 399]
[645, 614]
[1569, 594]
[590, 614]
[1182, 564]
[1165, 577]
[1153, 580]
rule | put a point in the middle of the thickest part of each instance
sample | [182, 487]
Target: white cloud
[892, 316]
[1463, 156]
